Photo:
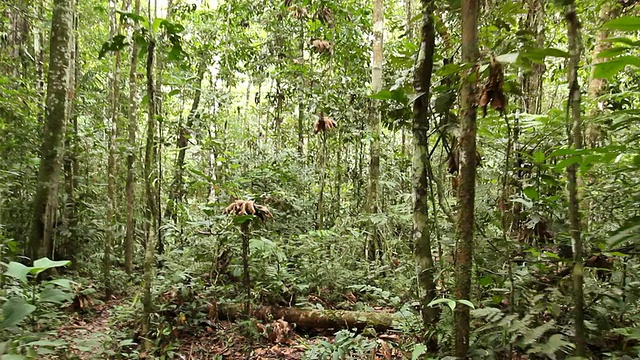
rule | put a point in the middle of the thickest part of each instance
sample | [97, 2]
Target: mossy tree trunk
[131, 153]
[41, 242]
[575, 140]
[467, 182]
[421, 225]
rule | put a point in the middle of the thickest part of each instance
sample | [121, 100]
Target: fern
[555, 344]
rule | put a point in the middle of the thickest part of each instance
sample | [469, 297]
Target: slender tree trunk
[131, 153]
[466, 190]
[151, 178]
[114, 104]
[38, 49]
[52, 150]
[177, 186]
[375, 249]
[68, 249]
[425, 267]
[575, 139]
[159, 101]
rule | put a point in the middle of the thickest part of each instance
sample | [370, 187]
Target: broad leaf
[18, 271]
[507, 58]
[418, 350]
[608, 69]
[15, 310]
[449, 302]
[54, 295]
[467, 302]
[623, 23]
[43, 264]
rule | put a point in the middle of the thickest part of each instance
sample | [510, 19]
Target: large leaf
[507, 58]
[608, 69]
[538, 55]
[15, 310]
[18, 271]
[54, 295]
[623, 23]
[44, 264]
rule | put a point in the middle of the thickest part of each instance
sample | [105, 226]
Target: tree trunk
[159, 101]
[374, 251]
[532, 82]
[151, 178]
[68, 249]
[131, 155]
[575, 140]
[421, 227]
[177, 186]
[114, 95]
[52, 150]
[467, 164]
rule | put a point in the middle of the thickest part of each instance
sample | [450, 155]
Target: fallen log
[314, 319]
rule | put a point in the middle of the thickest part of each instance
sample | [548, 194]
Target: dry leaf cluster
[322, 46]
[298, 12]
[493, 92]
[325, 15]
[278, 332]
[248, 207]
[324, 123]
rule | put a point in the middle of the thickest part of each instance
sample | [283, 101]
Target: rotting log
[314, 319]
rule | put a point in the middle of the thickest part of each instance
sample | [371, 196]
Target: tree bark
[314, 319]
[52, 150]
[374, 251]
[467, 164]
[131, 153]
[150, 177]
[114, 104]
[575, 140]
[421, 226]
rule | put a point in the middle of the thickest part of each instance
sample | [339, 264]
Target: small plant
[26, 298]
[345, 346]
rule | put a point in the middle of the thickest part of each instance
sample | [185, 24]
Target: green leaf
[43, 264]
[612, 52]
[418, 350]
[15, 310]
[65, 283]
[508, 58]
[53, 343]
[623, 23]
[241, 219]
[18, 271]
[449, 302]
[12, 357]
[623, 40]
[466, 302]
[608, 69]
[538, 55]
[54, 295]
[531, 193]
[538, 157]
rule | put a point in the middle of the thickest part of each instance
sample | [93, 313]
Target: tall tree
[52, 150]
[150, 180]
[421, 226]
[131, 155]
[575, 139]
[375, 246]
[114, 104]
[467, 182]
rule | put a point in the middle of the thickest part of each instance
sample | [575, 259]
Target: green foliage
[346, 345]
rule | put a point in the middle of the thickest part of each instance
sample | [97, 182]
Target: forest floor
[90, 336]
